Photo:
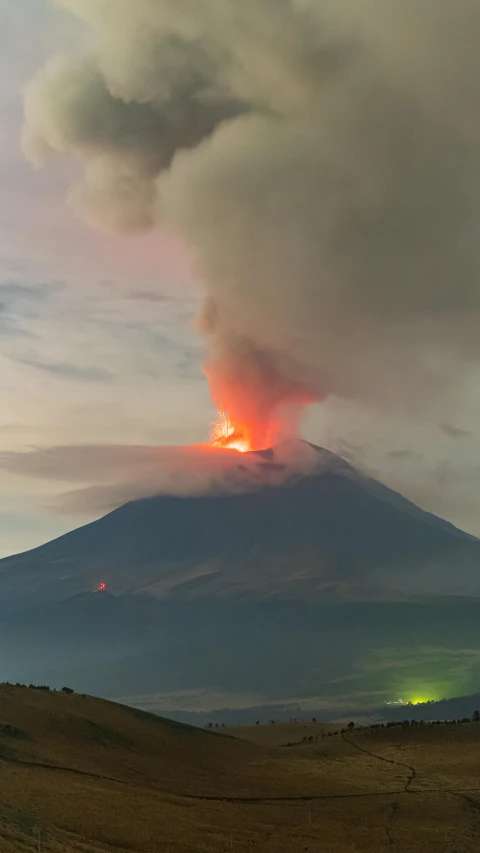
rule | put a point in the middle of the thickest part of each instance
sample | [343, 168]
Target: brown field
[280, 734]
[85, 775]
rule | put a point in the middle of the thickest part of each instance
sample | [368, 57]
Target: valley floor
[81, 774]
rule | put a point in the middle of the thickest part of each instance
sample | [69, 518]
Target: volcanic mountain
[333, 531]
[235, 590]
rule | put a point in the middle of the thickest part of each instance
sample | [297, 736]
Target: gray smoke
[321, 159]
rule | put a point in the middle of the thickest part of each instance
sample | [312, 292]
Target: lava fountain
[224, 433]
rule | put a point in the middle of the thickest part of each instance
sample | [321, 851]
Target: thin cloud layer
[321, 160]
[117, 474]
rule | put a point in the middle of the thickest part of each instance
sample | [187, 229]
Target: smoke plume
[321, 160]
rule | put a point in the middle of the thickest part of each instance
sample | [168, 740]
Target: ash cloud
[321, 159]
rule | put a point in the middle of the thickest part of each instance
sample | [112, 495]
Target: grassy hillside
[280, 734]
[85, 775]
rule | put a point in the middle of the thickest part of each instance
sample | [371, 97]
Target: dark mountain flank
[332, 532]
[327, 587]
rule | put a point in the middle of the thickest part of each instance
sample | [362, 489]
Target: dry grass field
[85, 775]
[280, 734]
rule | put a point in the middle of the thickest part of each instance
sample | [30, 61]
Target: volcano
[332, 532]
[252, 591]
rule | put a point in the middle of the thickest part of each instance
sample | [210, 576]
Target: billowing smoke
[321, 159]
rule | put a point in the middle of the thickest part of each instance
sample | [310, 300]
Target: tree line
[44, 687]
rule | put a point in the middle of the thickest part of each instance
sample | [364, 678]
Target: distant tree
[476, 716]
[210, 725]
[257, 723]
[67, 690]
[223, 725]
[313, 720]
[351, 725]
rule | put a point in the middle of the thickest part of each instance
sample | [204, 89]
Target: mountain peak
[302, 523]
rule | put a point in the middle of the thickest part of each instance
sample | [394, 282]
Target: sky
[99, 343]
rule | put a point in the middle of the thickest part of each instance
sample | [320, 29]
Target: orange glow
[224, 434]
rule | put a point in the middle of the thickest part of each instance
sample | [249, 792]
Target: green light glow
[420, 700]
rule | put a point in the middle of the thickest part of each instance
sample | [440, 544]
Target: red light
[101, 587]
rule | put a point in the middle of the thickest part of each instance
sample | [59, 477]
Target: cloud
[148, 296]
[12, 292]
[116, 474]
[16, 300]
[189, 365]
[127, 140]
[74, 372]
[455, 432]
[440, 481]
[10, 328]
[405, 456]
[18, 303]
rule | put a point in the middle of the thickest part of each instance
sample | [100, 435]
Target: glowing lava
[224, 434]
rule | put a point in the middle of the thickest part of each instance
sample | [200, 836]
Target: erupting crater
[225, 434]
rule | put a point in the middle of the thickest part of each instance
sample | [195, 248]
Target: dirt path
[306, 798]
[412, 774]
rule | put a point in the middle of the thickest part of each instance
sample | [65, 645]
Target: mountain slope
[333, 530]
[326, 590]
